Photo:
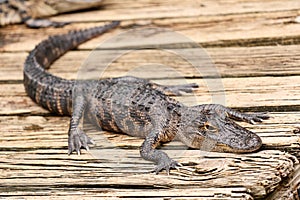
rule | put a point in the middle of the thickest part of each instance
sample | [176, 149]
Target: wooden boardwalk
[255, 47]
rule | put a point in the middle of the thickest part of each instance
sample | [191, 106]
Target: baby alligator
[132, 106]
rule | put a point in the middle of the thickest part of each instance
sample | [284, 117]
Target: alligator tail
[49, 91]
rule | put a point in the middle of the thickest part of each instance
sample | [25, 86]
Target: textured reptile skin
[133, 106]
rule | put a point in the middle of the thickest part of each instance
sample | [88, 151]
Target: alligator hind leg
[251, 118]
[166, 89]
[177, 90]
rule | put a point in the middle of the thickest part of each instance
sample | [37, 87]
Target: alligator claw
[167, 165]
[77, 140]
[255, 117]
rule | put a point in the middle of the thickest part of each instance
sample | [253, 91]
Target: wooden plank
[289, 188]
[260, 173]
[33, 143]
[229, 62]
[246, 28]
[144, 9]
[251, 91]
[153, 193]
[19, 106]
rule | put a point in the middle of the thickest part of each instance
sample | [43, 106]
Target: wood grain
[254, 48]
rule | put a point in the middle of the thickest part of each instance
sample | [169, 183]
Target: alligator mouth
[251, 144]
[247, 144]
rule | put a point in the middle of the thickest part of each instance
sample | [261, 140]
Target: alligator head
[216, 131]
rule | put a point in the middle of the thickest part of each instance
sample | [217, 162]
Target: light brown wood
[215, 23]
[229, 62]
[254, 46]
[289, 188]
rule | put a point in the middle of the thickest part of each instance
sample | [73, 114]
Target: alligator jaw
[231, 138]
[252, 145]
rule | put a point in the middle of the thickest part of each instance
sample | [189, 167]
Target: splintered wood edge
[258, 173]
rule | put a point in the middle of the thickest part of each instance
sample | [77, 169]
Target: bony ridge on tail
[133, 106]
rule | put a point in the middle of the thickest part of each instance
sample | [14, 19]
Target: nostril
[253, 142]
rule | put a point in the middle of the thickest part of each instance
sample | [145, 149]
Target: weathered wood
[144, 9]
[230, 62]
[260, 172]
[33, 143]
[289, 188]
[251, 26]
[251, 85]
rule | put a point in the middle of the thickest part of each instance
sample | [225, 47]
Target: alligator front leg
[77, 138]
[148, 152]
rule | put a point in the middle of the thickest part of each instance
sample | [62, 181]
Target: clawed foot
[167, 165]
[251, 118]
[255, 117]
[77, 140]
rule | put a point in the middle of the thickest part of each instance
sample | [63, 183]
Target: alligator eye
[209, 127]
